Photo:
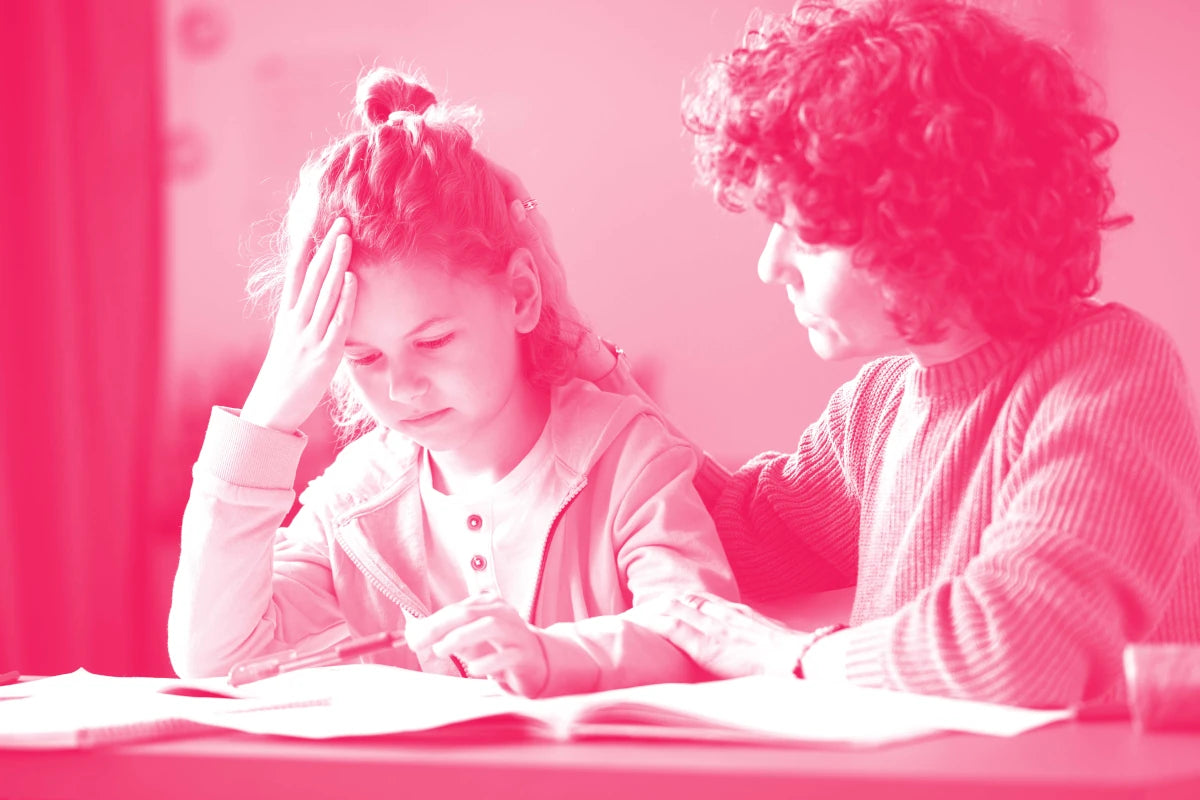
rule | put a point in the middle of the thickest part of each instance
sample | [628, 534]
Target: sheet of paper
[80, 709]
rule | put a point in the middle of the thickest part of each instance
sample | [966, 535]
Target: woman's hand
[594, 360]
[489, 635]
[532, 228]
[309, 335]
[728, 639]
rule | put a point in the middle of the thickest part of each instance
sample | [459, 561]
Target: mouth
[423, 419]
[803, 317]
[806, 320]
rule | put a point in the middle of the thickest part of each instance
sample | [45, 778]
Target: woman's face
[843, 310]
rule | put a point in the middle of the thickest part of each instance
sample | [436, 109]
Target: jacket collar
[382, 464]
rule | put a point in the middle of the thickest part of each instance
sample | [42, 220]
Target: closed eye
[434, 344]
[363, 361]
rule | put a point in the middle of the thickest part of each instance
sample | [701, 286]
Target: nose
[405, 382]
[775, 265]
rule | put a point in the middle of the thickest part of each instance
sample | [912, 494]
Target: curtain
[80, 235]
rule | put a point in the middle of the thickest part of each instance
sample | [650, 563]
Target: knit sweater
[1010, 519]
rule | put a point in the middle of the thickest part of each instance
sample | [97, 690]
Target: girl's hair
[955, 154]
[411, 182]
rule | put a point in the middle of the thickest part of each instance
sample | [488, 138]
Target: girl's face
[842, 308]
[437, 357]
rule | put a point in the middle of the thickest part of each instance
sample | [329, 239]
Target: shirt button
[478, 563]
[474, 522]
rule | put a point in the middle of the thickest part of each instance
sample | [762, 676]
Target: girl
[1013, 486]
[503, 515]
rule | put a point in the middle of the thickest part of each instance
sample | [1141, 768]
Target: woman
[1011, 485]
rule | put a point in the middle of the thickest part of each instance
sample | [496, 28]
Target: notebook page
[371, 699]
[811, 711]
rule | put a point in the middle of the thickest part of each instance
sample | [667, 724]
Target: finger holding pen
[491, 637]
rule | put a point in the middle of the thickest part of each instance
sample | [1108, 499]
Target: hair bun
[383, 91]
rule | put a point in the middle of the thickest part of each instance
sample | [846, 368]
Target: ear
[525, 285]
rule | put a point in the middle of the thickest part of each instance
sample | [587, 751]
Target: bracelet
[813, 638]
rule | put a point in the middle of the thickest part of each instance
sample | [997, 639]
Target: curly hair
[956, 155]
[411, 182]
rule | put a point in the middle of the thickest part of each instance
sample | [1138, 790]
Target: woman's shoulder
[1108, 358]
[1109, 339]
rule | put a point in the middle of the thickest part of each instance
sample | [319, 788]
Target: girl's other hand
[491, 638]
[728, 639]
[309, 335]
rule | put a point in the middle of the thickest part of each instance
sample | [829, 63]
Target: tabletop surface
[1071, 759]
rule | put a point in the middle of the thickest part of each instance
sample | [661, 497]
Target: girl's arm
[603, 363]
[226, 605]
[245, 587]
[665, 546]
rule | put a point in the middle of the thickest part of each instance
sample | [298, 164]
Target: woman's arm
[1097, 516]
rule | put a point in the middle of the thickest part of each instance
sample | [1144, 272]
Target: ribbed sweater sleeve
[1069, 514]
[789, 522]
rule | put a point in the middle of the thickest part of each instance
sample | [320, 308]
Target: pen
[290, 660]
[9, 677]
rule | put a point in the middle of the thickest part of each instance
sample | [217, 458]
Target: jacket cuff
[866, 652]
[570, 669]
[710, 481]
[244, 454]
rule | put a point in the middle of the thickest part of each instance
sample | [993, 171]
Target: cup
[1163, 685]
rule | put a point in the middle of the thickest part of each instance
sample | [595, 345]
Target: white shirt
[473, 539]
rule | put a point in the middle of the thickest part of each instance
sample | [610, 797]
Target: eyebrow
[429, 323]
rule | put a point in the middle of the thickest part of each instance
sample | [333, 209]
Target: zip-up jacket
[614, 518]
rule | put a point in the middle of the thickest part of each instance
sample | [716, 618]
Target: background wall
[582, 99]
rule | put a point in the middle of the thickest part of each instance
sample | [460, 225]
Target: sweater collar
[967, 373]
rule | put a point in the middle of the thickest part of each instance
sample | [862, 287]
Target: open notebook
[81, 710]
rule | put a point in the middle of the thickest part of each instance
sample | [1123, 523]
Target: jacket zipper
[562, 507]
[375, 581]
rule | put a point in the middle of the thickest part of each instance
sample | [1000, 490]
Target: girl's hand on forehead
[490, 637]
[309, 334]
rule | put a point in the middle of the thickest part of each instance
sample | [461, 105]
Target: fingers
[498, 665]
[331, 288]
[318, 269]
[680, 631]
[421, 634]
[514, 189]
[467, 640]
[335, 334]
[293, 273]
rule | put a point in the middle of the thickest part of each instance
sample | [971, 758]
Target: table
[1104, 759]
